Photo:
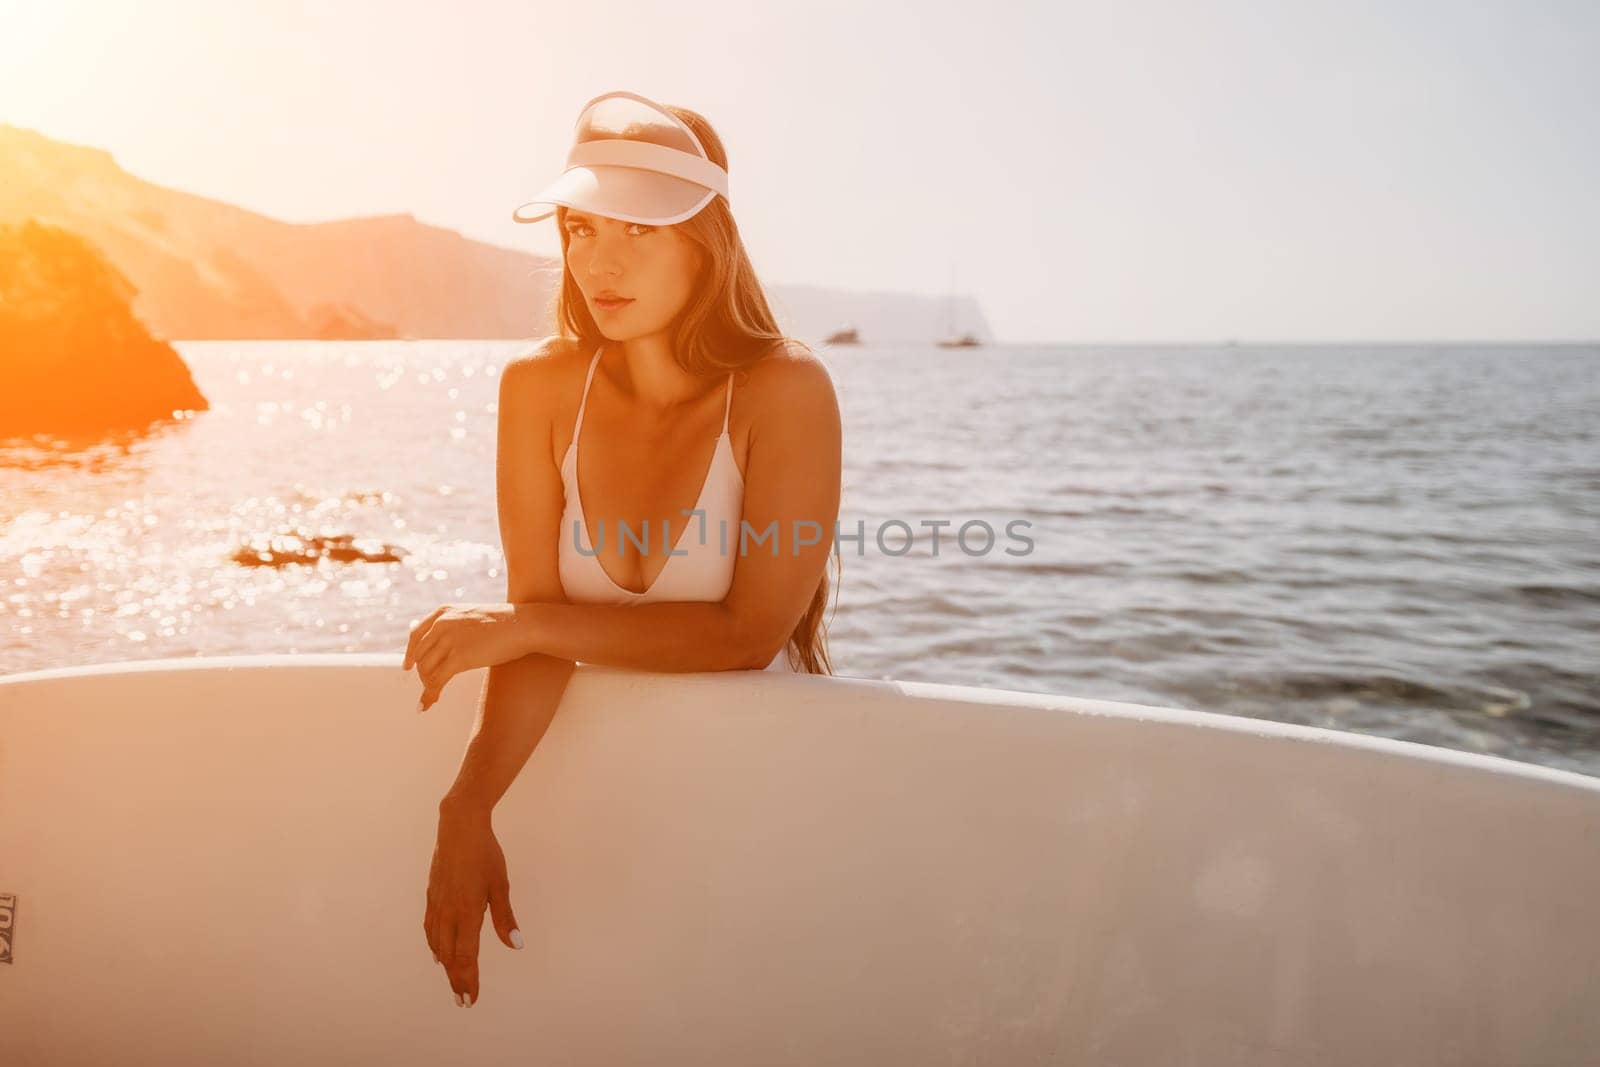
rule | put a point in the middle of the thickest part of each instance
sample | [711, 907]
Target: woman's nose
[606, 259]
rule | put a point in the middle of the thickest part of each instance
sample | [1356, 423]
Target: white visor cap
[633, 160]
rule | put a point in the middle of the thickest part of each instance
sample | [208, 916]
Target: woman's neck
[645, 371]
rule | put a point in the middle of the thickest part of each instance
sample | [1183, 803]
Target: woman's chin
[617, 332]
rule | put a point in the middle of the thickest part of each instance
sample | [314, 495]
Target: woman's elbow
[758, 644]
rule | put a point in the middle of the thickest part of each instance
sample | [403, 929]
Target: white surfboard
[225, 860]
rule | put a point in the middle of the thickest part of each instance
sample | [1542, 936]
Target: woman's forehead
[572, 216]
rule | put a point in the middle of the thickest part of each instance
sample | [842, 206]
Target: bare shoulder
[535, 384]
[791, 379]
[548, 360]
[536, 389]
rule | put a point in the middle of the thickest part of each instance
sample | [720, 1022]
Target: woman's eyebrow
[573, 216]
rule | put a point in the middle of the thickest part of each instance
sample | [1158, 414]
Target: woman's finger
[435, 669]
[428, 923]
[432, 663]
[446, 931]
[416, 643]
[419, 631]
[505, 922]
[464, 953]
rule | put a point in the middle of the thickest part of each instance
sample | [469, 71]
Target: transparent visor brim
[626, 193]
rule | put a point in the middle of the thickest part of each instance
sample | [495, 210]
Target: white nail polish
[516, 938]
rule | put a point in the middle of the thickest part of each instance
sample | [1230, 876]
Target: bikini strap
[728, 404]
[583, 401]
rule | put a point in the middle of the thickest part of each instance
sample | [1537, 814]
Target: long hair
[726, 324]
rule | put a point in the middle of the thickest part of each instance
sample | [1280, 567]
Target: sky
[1091, 172]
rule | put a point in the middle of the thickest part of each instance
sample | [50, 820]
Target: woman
[608, 452]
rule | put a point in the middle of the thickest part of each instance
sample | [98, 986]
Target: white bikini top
[705, 546]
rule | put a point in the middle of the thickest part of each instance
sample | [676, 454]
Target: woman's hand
[469, 871]
[463, 637]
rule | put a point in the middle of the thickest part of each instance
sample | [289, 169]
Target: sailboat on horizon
[951, 339]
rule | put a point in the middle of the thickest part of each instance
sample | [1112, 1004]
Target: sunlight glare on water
[1395, 540]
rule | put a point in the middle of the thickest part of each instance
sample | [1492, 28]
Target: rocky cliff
[74, 359]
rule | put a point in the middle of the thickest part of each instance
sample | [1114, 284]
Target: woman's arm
[677, 636]
[794, 463]
[469, 874]
[519, 697]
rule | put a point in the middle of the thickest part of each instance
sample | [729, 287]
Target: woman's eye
[576, 226]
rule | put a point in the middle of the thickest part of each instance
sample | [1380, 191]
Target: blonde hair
[726, 324]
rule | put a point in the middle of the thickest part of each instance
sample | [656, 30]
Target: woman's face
[653, 267]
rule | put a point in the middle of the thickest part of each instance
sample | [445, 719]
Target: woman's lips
[612, 305]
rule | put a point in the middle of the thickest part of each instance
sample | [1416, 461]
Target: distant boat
[951, 339]
[846, 336]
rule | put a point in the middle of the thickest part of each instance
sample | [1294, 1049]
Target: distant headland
[204, 269]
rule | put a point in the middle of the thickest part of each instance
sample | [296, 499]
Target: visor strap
[643, 155]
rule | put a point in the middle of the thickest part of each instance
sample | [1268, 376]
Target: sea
[1396, 540]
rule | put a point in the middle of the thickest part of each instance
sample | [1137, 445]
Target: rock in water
[73, 359]
[297, 546]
